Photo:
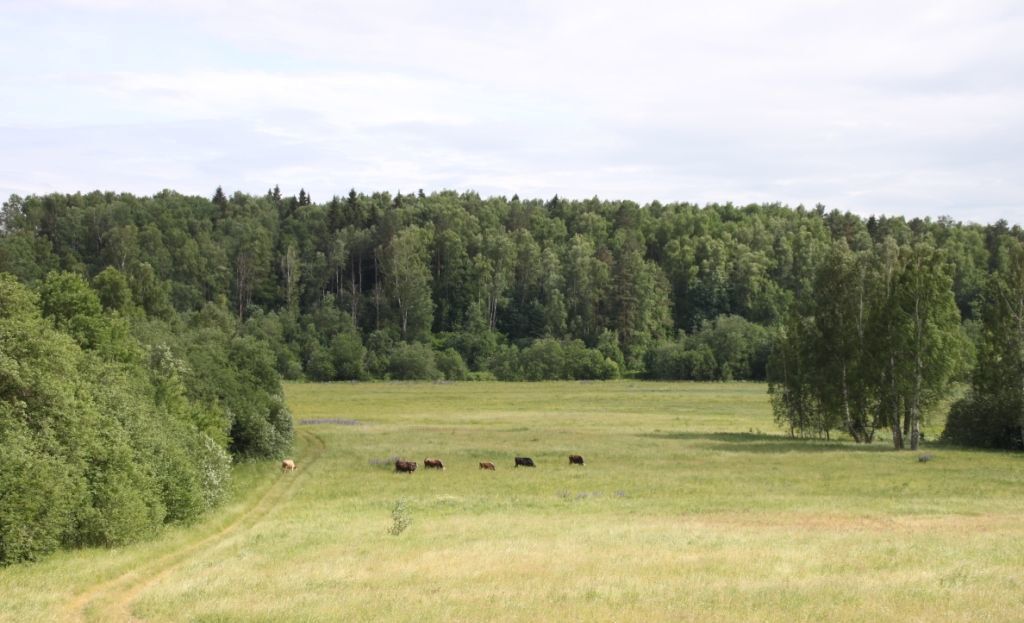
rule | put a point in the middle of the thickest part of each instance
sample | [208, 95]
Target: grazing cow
[487, 465]
[287, 465]
[405, 466]
[575, 459]
[525, 461]
[433, 464]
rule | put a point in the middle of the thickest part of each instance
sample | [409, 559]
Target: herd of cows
[408, 467]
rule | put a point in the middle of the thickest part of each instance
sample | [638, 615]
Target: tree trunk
[897, 433]
[846, 411]
[492, 311]
[915, 405]
[378, 290]
[354, 292]
[915, 434]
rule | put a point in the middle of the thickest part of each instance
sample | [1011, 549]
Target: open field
[692, 506]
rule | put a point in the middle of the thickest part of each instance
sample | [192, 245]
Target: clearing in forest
[691, 506]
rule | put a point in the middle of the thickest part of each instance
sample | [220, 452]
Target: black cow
[405, 466]
[525, 461]
[575, 459]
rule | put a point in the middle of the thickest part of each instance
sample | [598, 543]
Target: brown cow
[405, 466]
[433, 464]
[575, 459]
[487, 465]
[287, 465]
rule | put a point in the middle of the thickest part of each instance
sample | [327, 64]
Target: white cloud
[869, 106]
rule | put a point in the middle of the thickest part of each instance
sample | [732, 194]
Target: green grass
[692, 506]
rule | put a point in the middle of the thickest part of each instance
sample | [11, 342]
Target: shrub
[347, 355]
[401, 518]
[379, 345]
[40, 491]
[674, 361]
[475, 347]
[504, 364]
[739, 347]
[413, 362]
[608, 345]
[666, 361]
[320, 366]
[587, 363]
[984, 423]
[450, 363]
[543, 360]
[699, 364]
[214, 464]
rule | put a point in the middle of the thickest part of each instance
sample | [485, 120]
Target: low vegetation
[691, 506]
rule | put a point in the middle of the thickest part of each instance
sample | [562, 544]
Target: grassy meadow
[692, 506]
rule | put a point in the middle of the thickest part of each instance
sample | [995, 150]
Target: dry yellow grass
[691, 508]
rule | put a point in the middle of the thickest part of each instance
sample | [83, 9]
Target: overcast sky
[896, 107]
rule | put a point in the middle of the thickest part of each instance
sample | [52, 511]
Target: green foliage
[75, 308]
[475, 347]
[378, 353]
[608, 345]
[261, 425]
[450, 363]
[542, 360]
[680, 361]
[873, 344]
[992, 414]
[320, 365]
[587, 364]
[409, 362]
[548, 359]
[347, 356]
[401, 518]
[108, 435]
[40, 492]
[984, 421]
[113, 290]
[97, 450]
[724, 349]
[738, 349]
[504, 363]
[471, 273]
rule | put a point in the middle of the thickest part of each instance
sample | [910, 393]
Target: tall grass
[691, 506]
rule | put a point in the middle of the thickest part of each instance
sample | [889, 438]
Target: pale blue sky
[913, 108]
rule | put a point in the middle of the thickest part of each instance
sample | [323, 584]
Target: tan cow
[287, 465]
[487, 465]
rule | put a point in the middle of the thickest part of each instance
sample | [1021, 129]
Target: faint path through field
[112, 600]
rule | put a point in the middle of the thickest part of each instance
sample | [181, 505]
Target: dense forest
[450, 285]
[167, 320]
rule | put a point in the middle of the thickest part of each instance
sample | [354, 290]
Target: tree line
[454, 285]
